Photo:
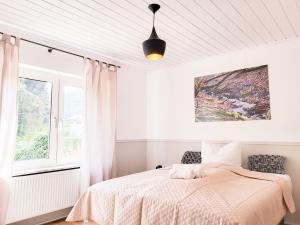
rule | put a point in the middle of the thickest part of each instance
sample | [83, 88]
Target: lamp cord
[153, 19]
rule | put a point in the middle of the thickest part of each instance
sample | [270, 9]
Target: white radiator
[36, 195]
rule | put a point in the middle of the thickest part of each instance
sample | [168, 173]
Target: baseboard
[46, 218]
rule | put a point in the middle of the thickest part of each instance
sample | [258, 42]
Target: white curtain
[9, 59]
[100, 123]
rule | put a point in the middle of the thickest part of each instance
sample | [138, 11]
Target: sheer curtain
[9, 59]
[100, 123]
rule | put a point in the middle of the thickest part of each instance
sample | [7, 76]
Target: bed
[228, 195]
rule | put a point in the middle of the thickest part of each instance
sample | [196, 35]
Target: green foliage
[37, 150]
[33, 119]
[34, 113]
[34, 106]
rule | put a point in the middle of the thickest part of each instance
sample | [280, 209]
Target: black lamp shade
[154, 48]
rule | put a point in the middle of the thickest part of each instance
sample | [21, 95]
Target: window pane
[72, 123]
[33, 119]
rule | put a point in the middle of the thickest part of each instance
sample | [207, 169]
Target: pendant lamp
[154, 48]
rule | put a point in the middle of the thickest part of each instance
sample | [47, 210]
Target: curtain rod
[60, 50]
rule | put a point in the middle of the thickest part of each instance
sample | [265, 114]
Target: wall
[131, 128]
[131, 157]
[170, 103]
[156, 111]
[167, 152]
[131, 97]
[171, 129]
[131, 111]
[35, 55]
[131, 121]
[131, 86]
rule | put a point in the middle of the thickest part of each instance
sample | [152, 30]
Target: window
[34, 119]
[71, 123]
[49, 120]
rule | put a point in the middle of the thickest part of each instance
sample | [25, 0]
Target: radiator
[36, 195]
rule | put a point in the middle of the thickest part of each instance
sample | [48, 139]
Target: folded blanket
[186, 171]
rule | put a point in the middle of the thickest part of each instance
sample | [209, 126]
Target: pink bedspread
[226, 196]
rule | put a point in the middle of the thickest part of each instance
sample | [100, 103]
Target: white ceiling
[193, 29]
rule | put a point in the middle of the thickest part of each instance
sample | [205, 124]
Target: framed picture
[237, 95]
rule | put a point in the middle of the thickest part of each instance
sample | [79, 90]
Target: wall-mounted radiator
[36, 195]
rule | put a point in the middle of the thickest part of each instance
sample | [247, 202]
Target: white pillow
[230, 153]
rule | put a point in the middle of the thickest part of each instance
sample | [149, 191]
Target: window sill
[22, 173]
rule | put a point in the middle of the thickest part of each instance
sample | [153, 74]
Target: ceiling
[193, 29]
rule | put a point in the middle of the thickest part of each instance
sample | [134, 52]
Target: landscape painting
[238, 95]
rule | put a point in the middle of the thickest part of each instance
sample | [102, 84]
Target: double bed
[227, 195]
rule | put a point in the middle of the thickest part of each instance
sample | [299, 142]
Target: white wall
[131, 111]
[131, 121]
[35, 55]
[160, 105]
[171, 126]
[131, 124]
[131, 86]
[170, 102]
[131, 101]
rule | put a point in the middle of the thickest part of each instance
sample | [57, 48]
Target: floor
[62, 222]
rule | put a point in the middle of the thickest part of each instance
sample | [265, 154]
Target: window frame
[58, 82]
